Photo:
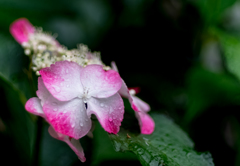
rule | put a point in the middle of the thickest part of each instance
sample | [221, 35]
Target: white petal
[62, 80]
[100, 83]
[67, 117]
[109, 112]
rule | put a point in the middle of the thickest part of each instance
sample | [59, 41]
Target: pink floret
[21, 29]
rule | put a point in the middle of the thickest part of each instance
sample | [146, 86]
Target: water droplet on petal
[55, 109]
[73, 125]
[67, 85]
[110, 119]
[102, 105]
[81, 124]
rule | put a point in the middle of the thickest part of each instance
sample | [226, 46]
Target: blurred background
[183, 54]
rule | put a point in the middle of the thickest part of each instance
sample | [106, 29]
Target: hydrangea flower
[140, 107]
[74, 93]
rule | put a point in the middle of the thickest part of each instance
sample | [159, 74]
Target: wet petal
[62, 80]
[140, 105]
[109, 112]
[21, 29]
[114, 66]
[42, 91]
[100, 83]
[34, 106]
[72, 143]
[68, 118]
[146, 122]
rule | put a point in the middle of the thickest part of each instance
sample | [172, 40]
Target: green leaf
[231, 48]
[212, 10]
[103, 149]
[19, 126]
[13, 66]
[168, 145]
[206, 88]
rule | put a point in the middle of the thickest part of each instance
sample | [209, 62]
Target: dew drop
[55, 109]
[67, 85]
[140, 151]
[102, 105]
[81, 124]
[73, 125]
[110, 119]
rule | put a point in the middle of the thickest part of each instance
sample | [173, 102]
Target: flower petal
[114, 66]
[62, 80]
[42, 91]
[68, 118]
[141, 105]
[100, 83]
[34, 106]
[21, 29]
[109, 111]
[146, 122]
[72, 143]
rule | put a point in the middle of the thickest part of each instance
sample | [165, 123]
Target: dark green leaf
[103, 149]
[212, 10]
[231, 48]
[206, 88]
[13, 66]
[19, 126]
[168, 146]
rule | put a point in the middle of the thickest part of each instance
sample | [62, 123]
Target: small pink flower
[21, 29]
[74, 93]
[140, 107]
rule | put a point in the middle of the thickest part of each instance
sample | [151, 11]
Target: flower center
[85, 96]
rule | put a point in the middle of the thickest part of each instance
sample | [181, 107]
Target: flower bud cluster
[44, 50]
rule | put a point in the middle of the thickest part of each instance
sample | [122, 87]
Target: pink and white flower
[140, 107]
[21, 29]
[74, 93]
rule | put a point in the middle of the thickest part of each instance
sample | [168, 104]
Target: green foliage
[103, 149]
[231, 48]
[19, 126]
[13, 67]
[168, 145]
[206, 88]
[212, 10]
